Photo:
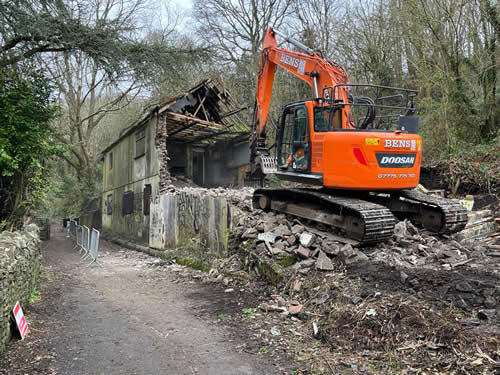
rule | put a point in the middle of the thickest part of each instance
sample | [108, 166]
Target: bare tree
[320, 24]
[235, 28]
[89, 92]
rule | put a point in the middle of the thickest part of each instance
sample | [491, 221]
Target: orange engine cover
[367, 160]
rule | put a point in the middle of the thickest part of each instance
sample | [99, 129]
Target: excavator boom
[310, 67]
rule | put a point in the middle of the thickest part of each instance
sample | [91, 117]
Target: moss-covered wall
[19, 273]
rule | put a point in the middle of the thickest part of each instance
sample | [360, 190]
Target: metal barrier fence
[94, 245]
[79, 236]
[72, 230]
[86, 240]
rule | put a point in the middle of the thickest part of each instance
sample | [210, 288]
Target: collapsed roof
[205, 114]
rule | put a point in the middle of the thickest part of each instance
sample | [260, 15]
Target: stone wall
[19, 273]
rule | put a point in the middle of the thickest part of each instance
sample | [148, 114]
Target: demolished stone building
[194, 139]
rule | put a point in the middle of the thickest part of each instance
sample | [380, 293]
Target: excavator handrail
[377, 86]
[411, 93]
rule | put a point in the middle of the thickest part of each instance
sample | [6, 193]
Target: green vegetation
[224, 317]
[248, 313]
[26, 143]
[477, 165]
[34, 296]
[264, 350]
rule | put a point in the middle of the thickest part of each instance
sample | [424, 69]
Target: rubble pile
[413, 258]
[301, 245]
[422, 297]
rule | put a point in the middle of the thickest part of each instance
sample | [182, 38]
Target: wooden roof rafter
[191, 130]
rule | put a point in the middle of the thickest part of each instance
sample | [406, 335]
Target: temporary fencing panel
[79, 235]
[94, 243]
[85, 238]
[72, 230]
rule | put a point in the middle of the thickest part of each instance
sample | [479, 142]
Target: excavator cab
[293, 139]
[297, 122]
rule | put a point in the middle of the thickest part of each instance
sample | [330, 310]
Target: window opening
[128, 203]
[140, 143]
[109, 204]
[147, 198]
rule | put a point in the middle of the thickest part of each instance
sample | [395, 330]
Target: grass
[224, 317]
[264, 350]
[248, 313]
[34, 296]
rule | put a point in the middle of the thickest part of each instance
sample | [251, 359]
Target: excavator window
[299, 134]
[287, 137]
[326, 119]
[293, 149]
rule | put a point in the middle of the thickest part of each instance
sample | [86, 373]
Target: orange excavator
[359, 155]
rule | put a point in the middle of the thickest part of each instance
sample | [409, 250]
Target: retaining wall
[190, 219]
[19, 273]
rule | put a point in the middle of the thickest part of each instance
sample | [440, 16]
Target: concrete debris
[403, 277]
[250, 233]
[261, 248]
[324, 263]
[400, 229]
[371, 312]
[278, 252]
[297, 285]
[414, 258]
[282, 231]
[308, 263]
[349, 255]
[275, 331]
[280, 245]
[303, 252]
[315, 329]
[480, 224]
[347, 251]
[267, 237]
[291, 240]
[306, 239]
[330, 248]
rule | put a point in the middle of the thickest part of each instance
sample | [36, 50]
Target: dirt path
[128, 317]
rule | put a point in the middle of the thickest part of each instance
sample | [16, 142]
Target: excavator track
[363, 221]
[453, 216]
[437, 214]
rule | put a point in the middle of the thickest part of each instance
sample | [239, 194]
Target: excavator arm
[310, 67]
